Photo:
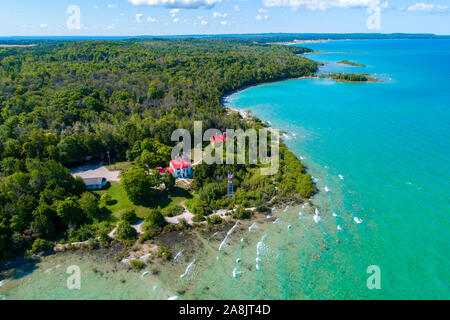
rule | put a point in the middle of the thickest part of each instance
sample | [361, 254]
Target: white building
[95, 183]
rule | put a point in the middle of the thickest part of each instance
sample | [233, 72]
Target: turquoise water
[390, 143]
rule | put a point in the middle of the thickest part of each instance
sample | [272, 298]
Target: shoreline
[293, 42]
[36, 258]
[231, 93]
[276, 210]
[15, 262]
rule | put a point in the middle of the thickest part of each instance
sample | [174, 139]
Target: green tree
[71, 149]
[125, 231]
[17, 224]
[129, 216]
[44, 226]
[40, 245]
[70, 212]
[147, 160]
[169, 181]
[138, 185]
[155, 219]
[89, 204]
[106, 198]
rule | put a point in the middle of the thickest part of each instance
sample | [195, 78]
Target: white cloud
[138, 17]
[219, 15]
[237, 8]
[427, 7]
[96, 6]
[112, 6]
[151, 19]
[173, 12]
[176, 20]
[224, 22]
[43, 25]
[321, 4]
[188, 4]
[204, 22]
[262, 14]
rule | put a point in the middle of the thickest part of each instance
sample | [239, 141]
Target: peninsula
[350, 63]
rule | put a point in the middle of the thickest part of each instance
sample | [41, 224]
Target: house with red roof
[218, 140]
[180, 168]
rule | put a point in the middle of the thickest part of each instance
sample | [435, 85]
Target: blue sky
[176, 17]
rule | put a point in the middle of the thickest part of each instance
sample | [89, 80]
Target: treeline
[349, 77]
[62, 103]
[252, 189]
[351, 63]
[288, 37]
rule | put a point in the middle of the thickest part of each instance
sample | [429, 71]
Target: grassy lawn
[161, 198]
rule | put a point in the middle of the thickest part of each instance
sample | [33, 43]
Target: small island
[351, 63]
[350, 77]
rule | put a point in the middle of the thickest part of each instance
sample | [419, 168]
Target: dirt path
[137, 226]
[186, 215]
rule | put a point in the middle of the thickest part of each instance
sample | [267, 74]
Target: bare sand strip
[137, 226]
[17, 45]
[186, 215]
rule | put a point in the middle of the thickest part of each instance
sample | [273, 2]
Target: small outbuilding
[218, 140]
[95, 183]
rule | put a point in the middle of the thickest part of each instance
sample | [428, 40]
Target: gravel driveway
[96, 171]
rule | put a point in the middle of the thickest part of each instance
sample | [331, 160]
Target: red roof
[180, 164]
[219, 139]
[162, 170]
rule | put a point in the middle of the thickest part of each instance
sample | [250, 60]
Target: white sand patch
[186, 215]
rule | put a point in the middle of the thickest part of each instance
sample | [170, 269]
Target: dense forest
[63, 103]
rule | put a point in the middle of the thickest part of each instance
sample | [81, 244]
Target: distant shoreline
[17, 45]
